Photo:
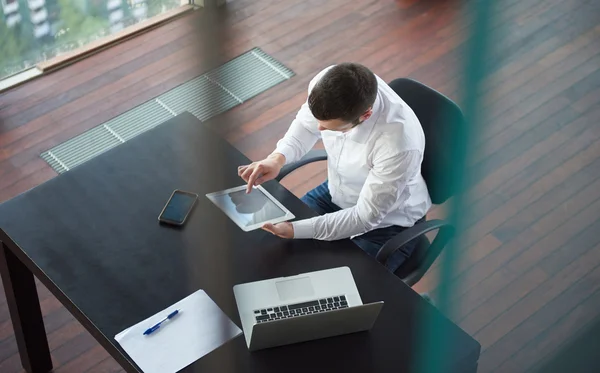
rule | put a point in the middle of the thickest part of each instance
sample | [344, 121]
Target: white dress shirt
[374, 169]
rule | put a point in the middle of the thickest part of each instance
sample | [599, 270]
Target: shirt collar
[361, 132]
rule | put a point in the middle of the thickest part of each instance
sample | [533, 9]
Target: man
[374, 144]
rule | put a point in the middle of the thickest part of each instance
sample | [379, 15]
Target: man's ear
[366, 115]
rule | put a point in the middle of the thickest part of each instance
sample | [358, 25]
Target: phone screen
[178, 207]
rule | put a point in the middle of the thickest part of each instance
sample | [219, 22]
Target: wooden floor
[529, 273]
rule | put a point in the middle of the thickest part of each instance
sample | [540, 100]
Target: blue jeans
[320, 201]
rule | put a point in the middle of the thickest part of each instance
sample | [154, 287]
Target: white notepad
[199, 328]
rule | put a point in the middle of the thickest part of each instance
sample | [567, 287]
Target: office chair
[440, 118]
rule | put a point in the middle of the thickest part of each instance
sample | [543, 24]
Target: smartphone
[178, 208]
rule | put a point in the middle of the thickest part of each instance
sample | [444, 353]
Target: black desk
[92, 237]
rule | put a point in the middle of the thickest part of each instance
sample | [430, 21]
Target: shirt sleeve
[381, 193]
[304, 131]
[300, 137]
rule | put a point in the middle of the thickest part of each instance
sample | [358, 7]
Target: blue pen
[155, 327]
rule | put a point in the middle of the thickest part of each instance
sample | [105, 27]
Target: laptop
[304, 307]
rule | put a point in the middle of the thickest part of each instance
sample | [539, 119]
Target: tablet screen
[248, 209]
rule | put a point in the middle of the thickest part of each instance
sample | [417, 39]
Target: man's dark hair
[345, 92]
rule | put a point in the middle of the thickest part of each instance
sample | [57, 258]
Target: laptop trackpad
[296, 288]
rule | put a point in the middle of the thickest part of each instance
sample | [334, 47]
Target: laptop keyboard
[300, 309]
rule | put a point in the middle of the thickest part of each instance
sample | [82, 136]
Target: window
[38, 30]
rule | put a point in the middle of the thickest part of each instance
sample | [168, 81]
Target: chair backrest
[441, 120]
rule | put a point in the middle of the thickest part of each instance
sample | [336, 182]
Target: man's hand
[261, 171]
[283, 230]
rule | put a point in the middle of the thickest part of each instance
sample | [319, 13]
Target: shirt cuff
[303, 228]
[286, 152]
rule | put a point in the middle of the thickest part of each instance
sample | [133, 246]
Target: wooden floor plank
[573, 284]
[507, 41]
[490, 275]
[512, 111]
[561, 236]
[537, 170]
[466, 259]
[9, 178]
[11, 365]
[537, 126]
[556, 336]
[503, 299]
[492, 180]
[516, 39]
[27, 182]
[588, 101]
[108, 365]
[562, 147]
[529, 281]
[551, 200]
[87, 360]
[526, 106]
[500, 86]
[63, 334]
[295, 29]
[473, 276]
[74, 348]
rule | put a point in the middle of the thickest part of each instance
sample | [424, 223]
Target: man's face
[339, 125]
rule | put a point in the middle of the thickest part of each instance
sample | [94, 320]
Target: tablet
[250, 210]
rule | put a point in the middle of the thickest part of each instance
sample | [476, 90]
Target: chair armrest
[446, 232]
[310, 157]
